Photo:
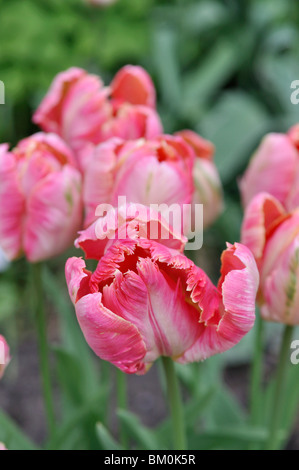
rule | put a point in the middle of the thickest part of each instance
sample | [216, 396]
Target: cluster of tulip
[146, 299]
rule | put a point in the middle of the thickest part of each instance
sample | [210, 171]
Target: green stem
[256, 371]
[121, 381]
[279, 385]
[40, 318]
[176, 405]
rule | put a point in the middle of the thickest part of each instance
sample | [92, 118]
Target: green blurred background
[221, 68]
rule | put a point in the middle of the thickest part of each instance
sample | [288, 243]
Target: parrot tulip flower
[157, 171]
[272, 234]
[166, 170]
[80, 109]
[274, 168]
[4, 355]
[146, 299]
[40, 198]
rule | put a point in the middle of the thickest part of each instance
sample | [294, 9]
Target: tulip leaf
[165, 57]
[138, 432]
[235, 125]
[105, 438]
[230, 438]
[12, 436]
[204, 81]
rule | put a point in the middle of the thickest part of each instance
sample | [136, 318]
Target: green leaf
[8, 299]
[204, 81]
[167, 67]
[142, 435]
[12, 436]
[224, 409]
[277, 72]
[105, 438]
[232, 438]
[235, 125]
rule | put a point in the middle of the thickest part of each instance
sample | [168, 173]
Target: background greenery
[222, 68]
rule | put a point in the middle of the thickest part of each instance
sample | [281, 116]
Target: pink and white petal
[261, 216]
[111, 337]
[54, 215]
[203, 148]
[156, 304]
[147, 181]
[134, 222]
[292, 201]
[281, 288]
[207, 190]
[99, 178]
[238, 286]
[77, 278]
[279, 243]
[271, 169]
[134, 85]
[131, 123]
[12, 205]
[49, 113]
[48, 144]
[86, 109]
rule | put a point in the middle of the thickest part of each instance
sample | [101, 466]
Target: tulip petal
[111, 337]
[280, 288]
[12, 205]
[238, 286]
[54, 214]
[155, 303]
[133, 84]
[261, 217]
[203, 148]
[271, 169]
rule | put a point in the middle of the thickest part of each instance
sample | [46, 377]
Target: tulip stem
[279, 386]
[176, 405]
[40, 318]
[121, 381]
[256, 371]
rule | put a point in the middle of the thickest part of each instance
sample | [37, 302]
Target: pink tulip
[272, 235]
[146, 299]
[40, 198]
[2, 446]
[274, 168]
[4, 356]
[82, 111]
[166, 170]
[158, 171]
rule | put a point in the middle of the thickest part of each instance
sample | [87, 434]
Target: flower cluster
[145, 299]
